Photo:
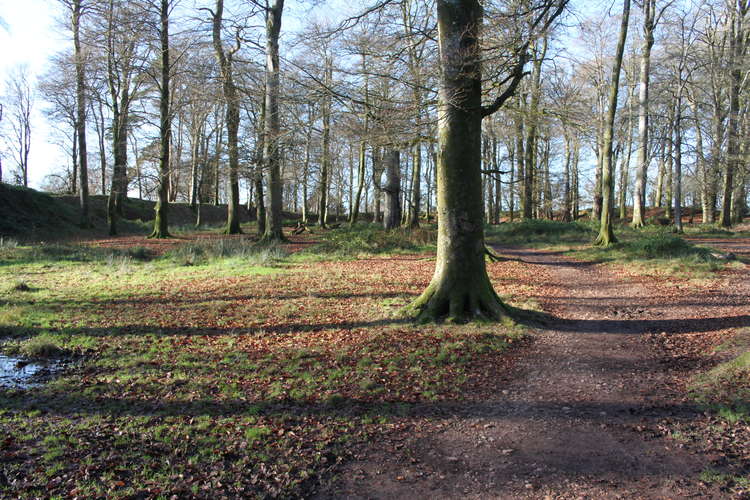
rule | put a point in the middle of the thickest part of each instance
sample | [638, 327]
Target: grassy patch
[656, 253]
[539, 232]
[370, 239]
[211, 250]
[726, 388]
[245, 374]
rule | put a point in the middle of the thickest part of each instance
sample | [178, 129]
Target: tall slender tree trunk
[231, 98]
[83, 169]
[161, 219]
[700, 158]
[271, 155]
[606, 234]
[678, 162]
[361, 171]
[639, 193]
[737, 51]
[625, 167]
[567, 211]
[531, 133]
[669, 166]
[325, 164]
[659, 192]
[520, 156]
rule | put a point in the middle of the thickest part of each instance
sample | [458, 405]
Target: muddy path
[577, 415]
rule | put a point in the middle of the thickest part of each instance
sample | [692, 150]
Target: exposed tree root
[458, 302]
[605, 239]
[494, 257]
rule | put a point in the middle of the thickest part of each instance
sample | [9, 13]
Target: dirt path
[576, 419]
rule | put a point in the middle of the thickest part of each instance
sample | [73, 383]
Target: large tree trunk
[460, 287]
[272, 157]
[606, 234]
[161, 220]
[118, 191]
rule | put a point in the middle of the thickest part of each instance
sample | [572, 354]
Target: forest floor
[597, 406]
[205, 367]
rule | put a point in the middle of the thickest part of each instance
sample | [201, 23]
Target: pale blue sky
[31, 35]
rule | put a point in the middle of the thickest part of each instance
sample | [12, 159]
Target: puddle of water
[18, 373]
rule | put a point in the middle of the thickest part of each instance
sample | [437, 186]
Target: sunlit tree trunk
[231, 98]
[606, 234]
[325, 164]
[85, 220]
[737, 51]
[460, 288]
[271, 153]
[639, 193]
[161, 220]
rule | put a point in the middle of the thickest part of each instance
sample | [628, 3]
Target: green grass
[726, 388]
[219, 367]
[657, 252]
[539, 232]
[212, 250]
[370, 239]
[729, 481]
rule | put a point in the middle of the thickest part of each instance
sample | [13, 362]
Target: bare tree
[19, 102]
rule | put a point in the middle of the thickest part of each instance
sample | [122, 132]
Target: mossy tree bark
[161, 219]
[460, 288]
[271, 152]
[606, 234]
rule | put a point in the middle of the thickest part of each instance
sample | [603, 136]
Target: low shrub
[664, 246]
[41, 346]
[203, 251]
[541, 231]
[372, 239]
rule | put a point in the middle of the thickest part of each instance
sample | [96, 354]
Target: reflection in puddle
[21, 374]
